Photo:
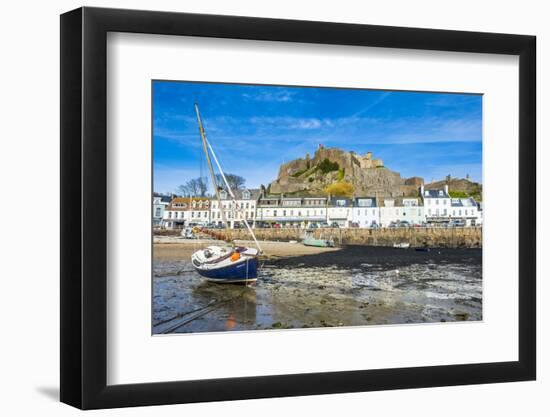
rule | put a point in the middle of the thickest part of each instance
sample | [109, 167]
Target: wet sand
[178, 248]
[302, 287]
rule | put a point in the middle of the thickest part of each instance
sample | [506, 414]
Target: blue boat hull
[242, 271]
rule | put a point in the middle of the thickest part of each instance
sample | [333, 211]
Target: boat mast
[206, 145]
[214, 183]
[232, 195]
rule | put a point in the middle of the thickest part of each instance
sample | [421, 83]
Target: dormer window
[440, 193]
[426, 193]
[223, 195]
[246, 195]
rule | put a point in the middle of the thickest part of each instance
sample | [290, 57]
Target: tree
[326, 166]
[196, 187]
[340, 189]
[236, 182]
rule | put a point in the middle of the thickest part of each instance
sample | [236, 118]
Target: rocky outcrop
[369, 176]
[459, 187]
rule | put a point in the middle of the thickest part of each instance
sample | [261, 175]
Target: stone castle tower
[366, 161]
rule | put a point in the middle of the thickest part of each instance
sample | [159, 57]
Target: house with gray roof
[365, 212]
[235, 211]
[466, 210]
[437, 204]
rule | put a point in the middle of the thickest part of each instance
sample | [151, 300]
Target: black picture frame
[84, 207]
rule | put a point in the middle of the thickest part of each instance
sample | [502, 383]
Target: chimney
[422, 190]
[446, 189]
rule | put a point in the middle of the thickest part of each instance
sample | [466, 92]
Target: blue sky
[254, 129]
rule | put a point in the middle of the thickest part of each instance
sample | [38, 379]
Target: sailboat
[225, 264]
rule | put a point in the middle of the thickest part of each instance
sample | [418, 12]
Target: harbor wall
[466, 237]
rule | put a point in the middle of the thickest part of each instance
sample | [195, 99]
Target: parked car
[312, 226]
[354, 224]
[403, 223]
[334, 225]
[276, 226]
[457, 223]
[324, 225]
[375, 226]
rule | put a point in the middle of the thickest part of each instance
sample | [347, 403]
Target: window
[169, 214]
[284, 213]
[157, 212]
[274, 213]
[444, 212]
[436, 202]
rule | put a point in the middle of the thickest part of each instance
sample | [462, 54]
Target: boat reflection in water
[234, 308]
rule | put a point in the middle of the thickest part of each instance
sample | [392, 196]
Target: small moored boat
[320, 243]
[402, 245]
[227, 264]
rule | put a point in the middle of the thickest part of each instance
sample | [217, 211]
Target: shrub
[458, 194]
[326, 166]
[340, 189]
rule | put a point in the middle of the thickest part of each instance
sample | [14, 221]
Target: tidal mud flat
[302, 287]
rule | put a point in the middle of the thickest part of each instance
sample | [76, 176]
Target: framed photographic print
[257, 208]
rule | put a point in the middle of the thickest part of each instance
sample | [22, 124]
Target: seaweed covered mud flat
[297, 288]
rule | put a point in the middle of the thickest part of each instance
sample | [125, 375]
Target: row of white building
[429, 208]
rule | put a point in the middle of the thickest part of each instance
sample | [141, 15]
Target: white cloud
[277, 95]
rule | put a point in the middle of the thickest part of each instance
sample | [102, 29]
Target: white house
[291, 211]
[402, 209]
[466, 209]
[186, 211]
[340, 211]
[243, 208]
[365, 212]
[437, 205]
[160, 202]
